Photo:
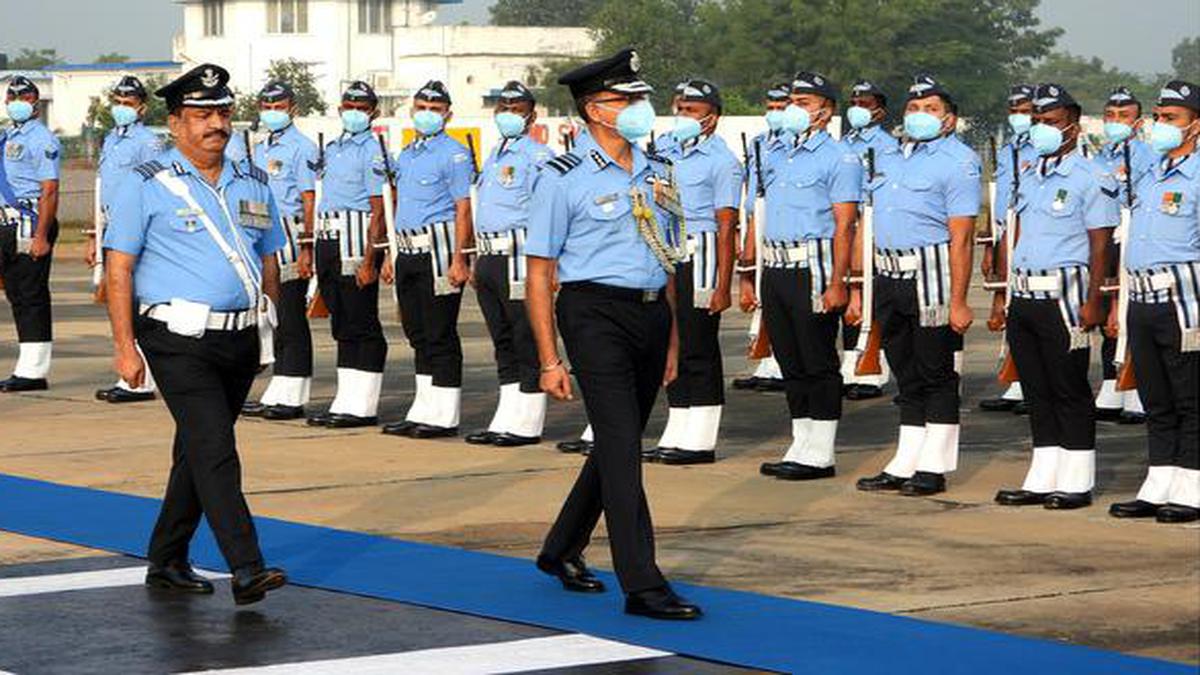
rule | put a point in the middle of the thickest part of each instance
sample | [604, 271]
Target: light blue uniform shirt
[432, 174]
[506, 184]
[177, 258]
[235, 149]
[354, 172]
[917, 195]
[1027, 157]
[1058, 209]
[767, 142]
[31, 155]
[709, 178]
[582, 214]
[1112, 159]
[1165, 228]
[804, 182]
[123, 149]
[290, 160]
[872, 136]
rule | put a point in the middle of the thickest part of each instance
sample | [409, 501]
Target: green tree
[1090, 80]
[1185, 59]
[543, 12]
[35, 59]
[296, 74]
[112, 57]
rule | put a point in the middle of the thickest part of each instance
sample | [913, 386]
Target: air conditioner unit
[382, 81]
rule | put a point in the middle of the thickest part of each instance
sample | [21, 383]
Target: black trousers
[804, 343]
[618, 349]
[204, 383]
[1054, 378]
[508, 324]
[701, 380]
[27, 287]
[921, 358]
[353, 311]
[1168, 381]
[850, 336]
[430, 321]
[293, 339]
[1108, 348]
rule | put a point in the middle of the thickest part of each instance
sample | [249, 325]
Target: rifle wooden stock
[1008, 370]
[870, 361]
[317, 308]
[1126, 380]
[760, 342]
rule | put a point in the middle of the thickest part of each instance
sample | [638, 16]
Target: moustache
[218, 133]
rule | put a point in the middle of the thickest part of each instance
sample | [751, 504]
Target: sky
[1134, 36]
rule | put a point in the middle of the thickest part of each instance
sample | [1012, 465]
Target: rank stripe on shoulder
[148, 170]
[565, 162]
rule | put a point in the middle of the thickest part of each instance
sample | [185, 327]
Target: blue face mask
[19, 111]
[123, 115]
[636, 121]
[510, 125]
[1165, 137]
[1046, 139]
[774, 120]
[355, 121]
[1019, 123]
[1116, 132]
[275, 120]
[685, 129]
[922, 126]
[796, 119]
[427, 122]
[858, 117]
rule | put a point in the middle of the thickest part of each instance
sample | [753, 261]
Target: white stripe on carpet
[78, 581]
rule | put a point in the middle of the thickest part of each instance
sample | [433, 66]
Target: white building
[389, 43]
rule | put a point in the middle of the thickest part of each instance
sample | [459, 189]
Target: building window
[287, 16]
[374, 16]
[214, 18]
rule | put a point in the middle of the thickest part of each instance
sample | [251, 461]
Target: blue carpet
[746, 629]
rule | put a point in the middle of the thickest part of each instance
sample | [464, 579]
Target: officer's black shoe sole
[661, 605]
[342, 421]
[1177, 513]
[515, 441]
[283, 413]
[479, 437]
[19, 384]
[402, 428]
[1108, 414]
[1021, 408]
[923, 484]
[102, 394]
[1133, 509]
[426, 431]
[1020, 498]
[883, 482]
[797, 471]
[254, 409]
[746, 383]
[257, 587]
[118, 395]
[768, 385]
[177, 581]
[652, 454]
[1066, 501]
[318, 420]
[997, 404]
[863, 392]
[574, 576]
[574, 447]
[675, 457]
[1131, 418]
[769, 468]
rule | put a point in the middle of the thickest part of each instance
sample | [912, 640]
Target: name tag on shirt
[607, 202]
[254, 214]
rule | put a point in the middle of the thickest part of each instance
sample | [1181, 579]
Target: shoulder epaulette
[149, 169]
[564, 162]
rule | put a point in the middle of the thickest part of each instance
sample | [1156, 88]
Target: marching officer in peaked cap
[607, 216]
[191, 272]
[28, 230]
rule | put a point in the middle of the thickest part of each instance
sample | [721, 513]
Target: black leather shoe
[677, 457]
[515, 441]
[1177, 513]
[1065, 501]
[880, 483]
[1020, 497]
[797, 471]
[178, 577]
[251, 586]
[997, 404]
[344, 421]
[1108, 414]
[280, 413]
[1021, 408]
[16, 384]
[661, 603]
[401, 428]
[102, 394]
[1131, 418]
[769, 384]
[253, 409]
[769, 468]
[573, 573]
[651, 454]
[575, 447]
[746, 383]
[477, 438]
[862, 392]
[1133, 509]
[318, 420]
[430, 431]
[119, 395]
[923, 484]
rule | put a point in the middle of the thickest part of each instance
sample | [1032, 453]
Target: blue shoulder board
[564, 163]
[149, 169]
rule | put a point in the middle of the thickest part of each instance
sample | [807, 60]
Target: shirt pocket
[185, 225]
[611, 213]
[922, 195]
[427, 187]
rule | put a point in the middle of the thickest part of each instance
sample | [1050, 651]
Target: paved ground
[1079, 577]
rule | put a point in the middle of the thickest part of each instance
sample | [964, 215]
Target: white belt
[1035, 284]
[781, 254]
[495, 243]
[1152, 283]
[419, 243]
[216, 320]
[897, 263]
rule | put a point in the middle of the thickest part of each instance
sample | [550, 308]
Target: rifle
[389, 212]
[870, 336]
[316, 305]
[990, 237]
[745, 185]
[1012, 222]
[99, 289]
[760, 342]
[1125, 377]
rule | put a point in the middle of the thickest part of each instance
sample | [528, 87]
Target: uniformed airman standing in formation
[434, 174]
[129, 144]
[28, 230]
[291, 162]
[501, 229]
